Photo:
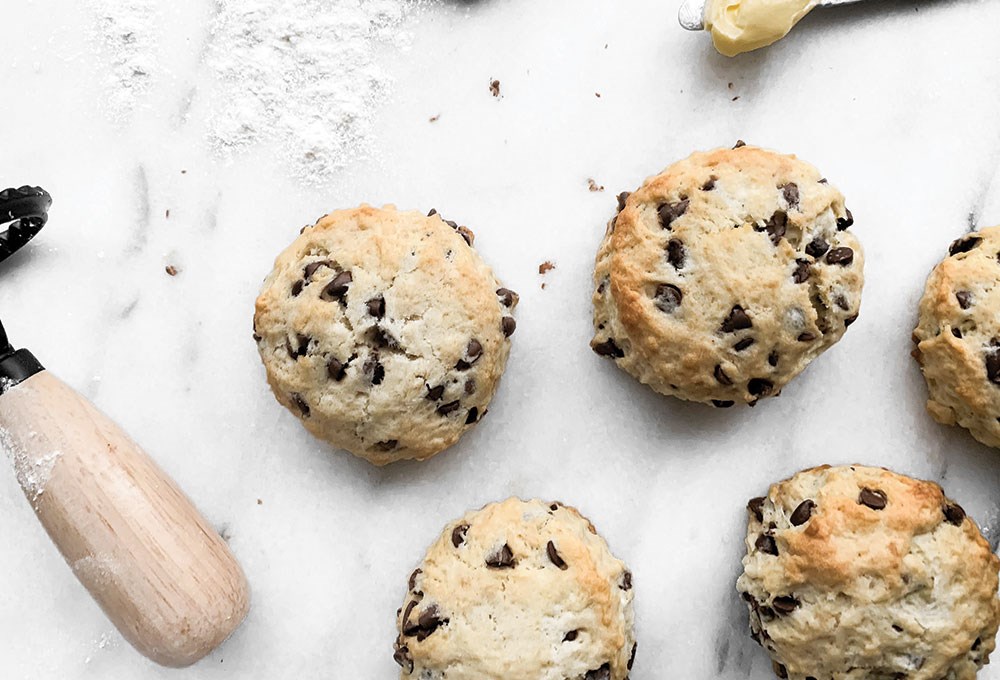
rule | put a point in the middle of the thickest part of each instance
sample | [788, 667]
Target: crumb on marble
[171, 270]
[434, 118]
[546, 267]
[594, 186]
[495, 87]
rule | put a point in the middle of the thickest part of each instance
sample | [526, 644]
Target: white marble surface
[896, 102]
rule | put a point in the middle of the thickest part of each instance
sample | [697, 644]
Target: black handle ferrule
[17, 367]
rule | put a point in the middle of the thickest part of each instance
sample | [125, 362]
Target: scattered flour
[302, 75]
[125, 32]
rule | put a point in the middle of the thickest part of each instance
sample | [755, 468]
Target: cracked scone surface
[384, 332]
[859, 573]
[721, 278]
[958, 336]
[519, 590]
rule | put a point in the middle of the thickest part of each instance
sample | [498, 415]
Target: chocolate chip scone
[721, 278]
[519, 590]
[858, 573]
[384, 332]
[958, 336]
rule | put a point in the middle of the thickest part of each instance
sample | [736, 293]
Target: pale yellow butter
[739, 26]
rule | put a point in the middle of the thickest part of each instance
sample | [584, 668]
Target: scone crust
[744, 225]
[881, 577]
[567, 617]
[958, 336]
[402, 353]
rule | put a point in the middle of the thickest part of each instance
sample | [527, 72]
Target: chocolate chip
[458, 535]
[413, 578]
[964, 245]
[622, 198]
[817, 247]
[676, 253]
[957, 332]
[300, 404]
[671, 211]
[401, 655]
[387, 445]
[784, 604]
[312, 268]
[451, 223]
[802, 513]
[297, 288]
[429, 621]
[435, 393]
[631, 658]
[374, 369]
[553, 554]
[710, 184]
[467, 234]
[845, 222]
[954, 513]
[668, 297]
[736, 321]
[507, 296]
[337, 289]
[993, 366]
[977, 644]
[508, 325]
[433, 212]
[301, 347]
[602, 673]
[790, 192]
[626, 583]
[473, 416]
[502, 559]
[473, 351]
[780, 670]
[470, 386]
[722, 403]
[336, 370]
[743, 344]
[776, 226]
[841, 302]
[445, 409]
[766, 544]
[772, 358]
[608, 348]
[570, 636]
[964, 298]
[841, 256]
[849, 320]
[739, 143]
[806, 337]
[376, 307]
[873, 498]
[755, 506]
[802, 271]
[720, 375]
[759, 387]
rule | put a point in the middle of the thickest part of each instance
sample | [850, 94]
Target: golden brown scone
[384, 332]
[958, 336]
[519, 590]
[858, 573]
[721, 278]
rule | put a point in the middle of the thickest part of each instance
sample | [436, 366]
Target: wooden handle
[158, 570]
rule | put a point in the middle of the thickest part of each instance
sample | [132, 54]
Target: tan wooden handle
[158, 570]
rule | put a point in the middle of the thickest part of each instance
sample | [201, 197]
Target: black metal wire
[27, 209]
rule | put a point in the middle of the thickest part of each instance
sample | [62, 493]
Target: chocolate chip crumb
[387, 445]
[710, 184]
[802, 271]
[570, 636]
[450, 407]
[772, 358]
[626, 583]
[784, 604]
[873, 498]
[555, 557]
[759, 387]
[755, 506]
[470, 387]
[507, 296]
[300, 404]
[790, 192]
[622, 198]
[297, 288]
[743, 344]
[849, 320]
[964, 298]
[631, 658]
[602, 673]
[845, 222]
[721, 377]
[337, 289]
[739, 143]
[721, 403]
[435, 393]
[806, 337]
[473, 416]
[502, 559]
[374, 369]
[310, 269]
[458, 535]
[802, 513]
